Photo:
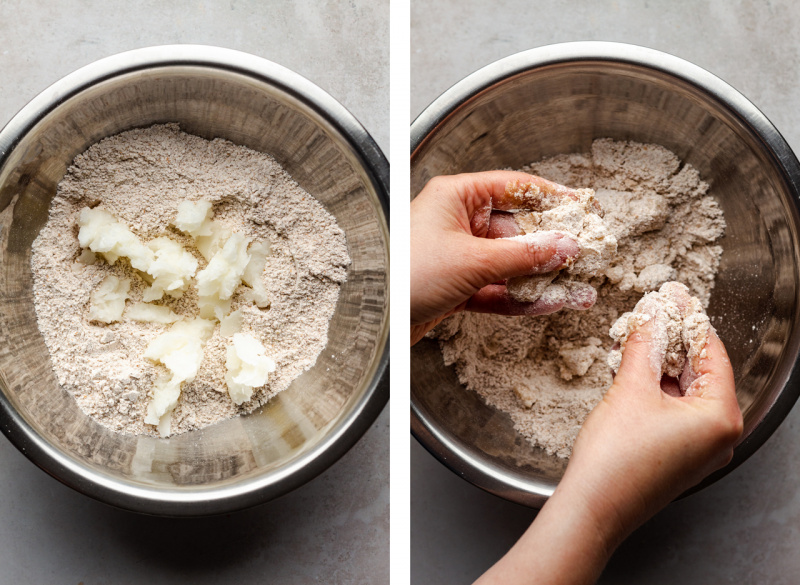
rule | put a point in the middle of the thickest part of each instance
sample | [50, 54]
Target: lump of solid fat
[217, 281]
[254, 271]
[193, 218]
[165, 263]
[248, 367]
[224, 272]
[218, 234]
[103, 234]
[181, 350]
[108, 301]
[172, 269]
[213, 307]
[151, 313]
[231, 324]
[166, 392]
[181, 347]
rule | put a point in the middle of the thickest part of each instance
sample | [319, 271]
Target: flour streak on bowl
[213, 93]
[558, 99]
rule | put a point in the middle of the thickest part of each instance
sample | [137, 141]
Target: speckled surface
[334, 529]
[746, 527]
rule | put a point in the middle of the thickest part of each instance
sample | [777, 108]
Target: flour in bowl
[548, 372]
[112, 325]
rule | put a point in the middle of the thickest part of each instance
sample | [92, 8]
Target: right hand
[642, 447]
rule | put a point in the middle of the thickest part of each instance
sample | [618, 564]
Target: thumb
[539, 253]
[641, 359]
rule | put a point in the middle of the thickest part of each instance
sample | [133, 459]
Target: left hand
[456, 262]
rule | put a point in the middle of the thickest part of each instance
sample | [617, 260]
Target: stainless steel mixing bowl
[244, 461]
[557, 99]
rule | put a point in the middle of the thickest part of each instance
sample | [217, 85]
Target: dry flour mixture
[137, 180]
[548, 372]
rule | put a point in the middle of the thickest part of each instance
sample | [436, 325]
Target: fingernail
[581, 296]
[479, 224]
[565, 250]
[562, 247]
[566, 247]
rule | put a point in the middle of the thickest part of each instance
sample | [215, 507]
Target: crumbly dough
[679, 329]
[548, 372]
[581, 219]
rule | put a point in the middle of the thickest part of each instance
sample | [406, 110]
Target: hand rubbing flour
[580, 218]
[678, 330]
[140, 177]
[548, 372]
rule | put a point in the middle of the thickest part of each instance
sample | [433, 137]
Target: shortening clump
[548, 372]
[180, 281]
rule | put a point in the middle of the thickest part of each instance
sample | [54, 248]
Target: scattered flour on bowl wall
[140, 177]
[548, 372]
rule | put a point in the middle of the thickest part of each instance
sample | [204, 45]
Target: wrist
[596, 517]
[567, 544]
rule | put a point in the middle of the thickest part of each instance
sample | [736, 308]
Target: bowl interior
[209, 102]
[562, 108]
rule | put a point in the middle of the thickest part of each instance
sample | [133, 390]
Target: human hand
[642, 446]
[456, 260]
[645, 444]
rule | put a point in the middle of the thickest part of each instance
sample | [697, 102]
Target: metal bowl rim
[198, 501]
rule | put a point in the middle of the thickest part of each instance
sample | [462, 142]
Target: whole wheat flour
[140, 177]
[548, 372]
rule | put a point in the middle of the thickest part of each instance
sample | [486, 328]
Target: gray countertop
[335, 529]
[746, 527]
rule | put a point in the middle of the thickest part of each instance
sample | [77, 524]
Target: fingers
[480, 222]
[714, 375]
[471, 197]
[531, 192]
[500, 190]
[494, 260]
[494, 298]
[503, 225]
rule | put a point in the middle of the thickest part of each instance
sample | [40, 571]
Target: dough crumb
[579, 218]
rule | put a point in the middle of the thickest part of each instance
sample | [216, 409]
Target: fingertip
[494, 298]
[481, 221]
[713, 372]
[638, 362]
[713, 359]
[549, 250]
[492, 260]
[502, 225]
[581, 296]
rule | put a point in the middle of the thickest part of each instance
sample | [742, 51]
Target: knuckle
[436, 183]
[727, 429]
